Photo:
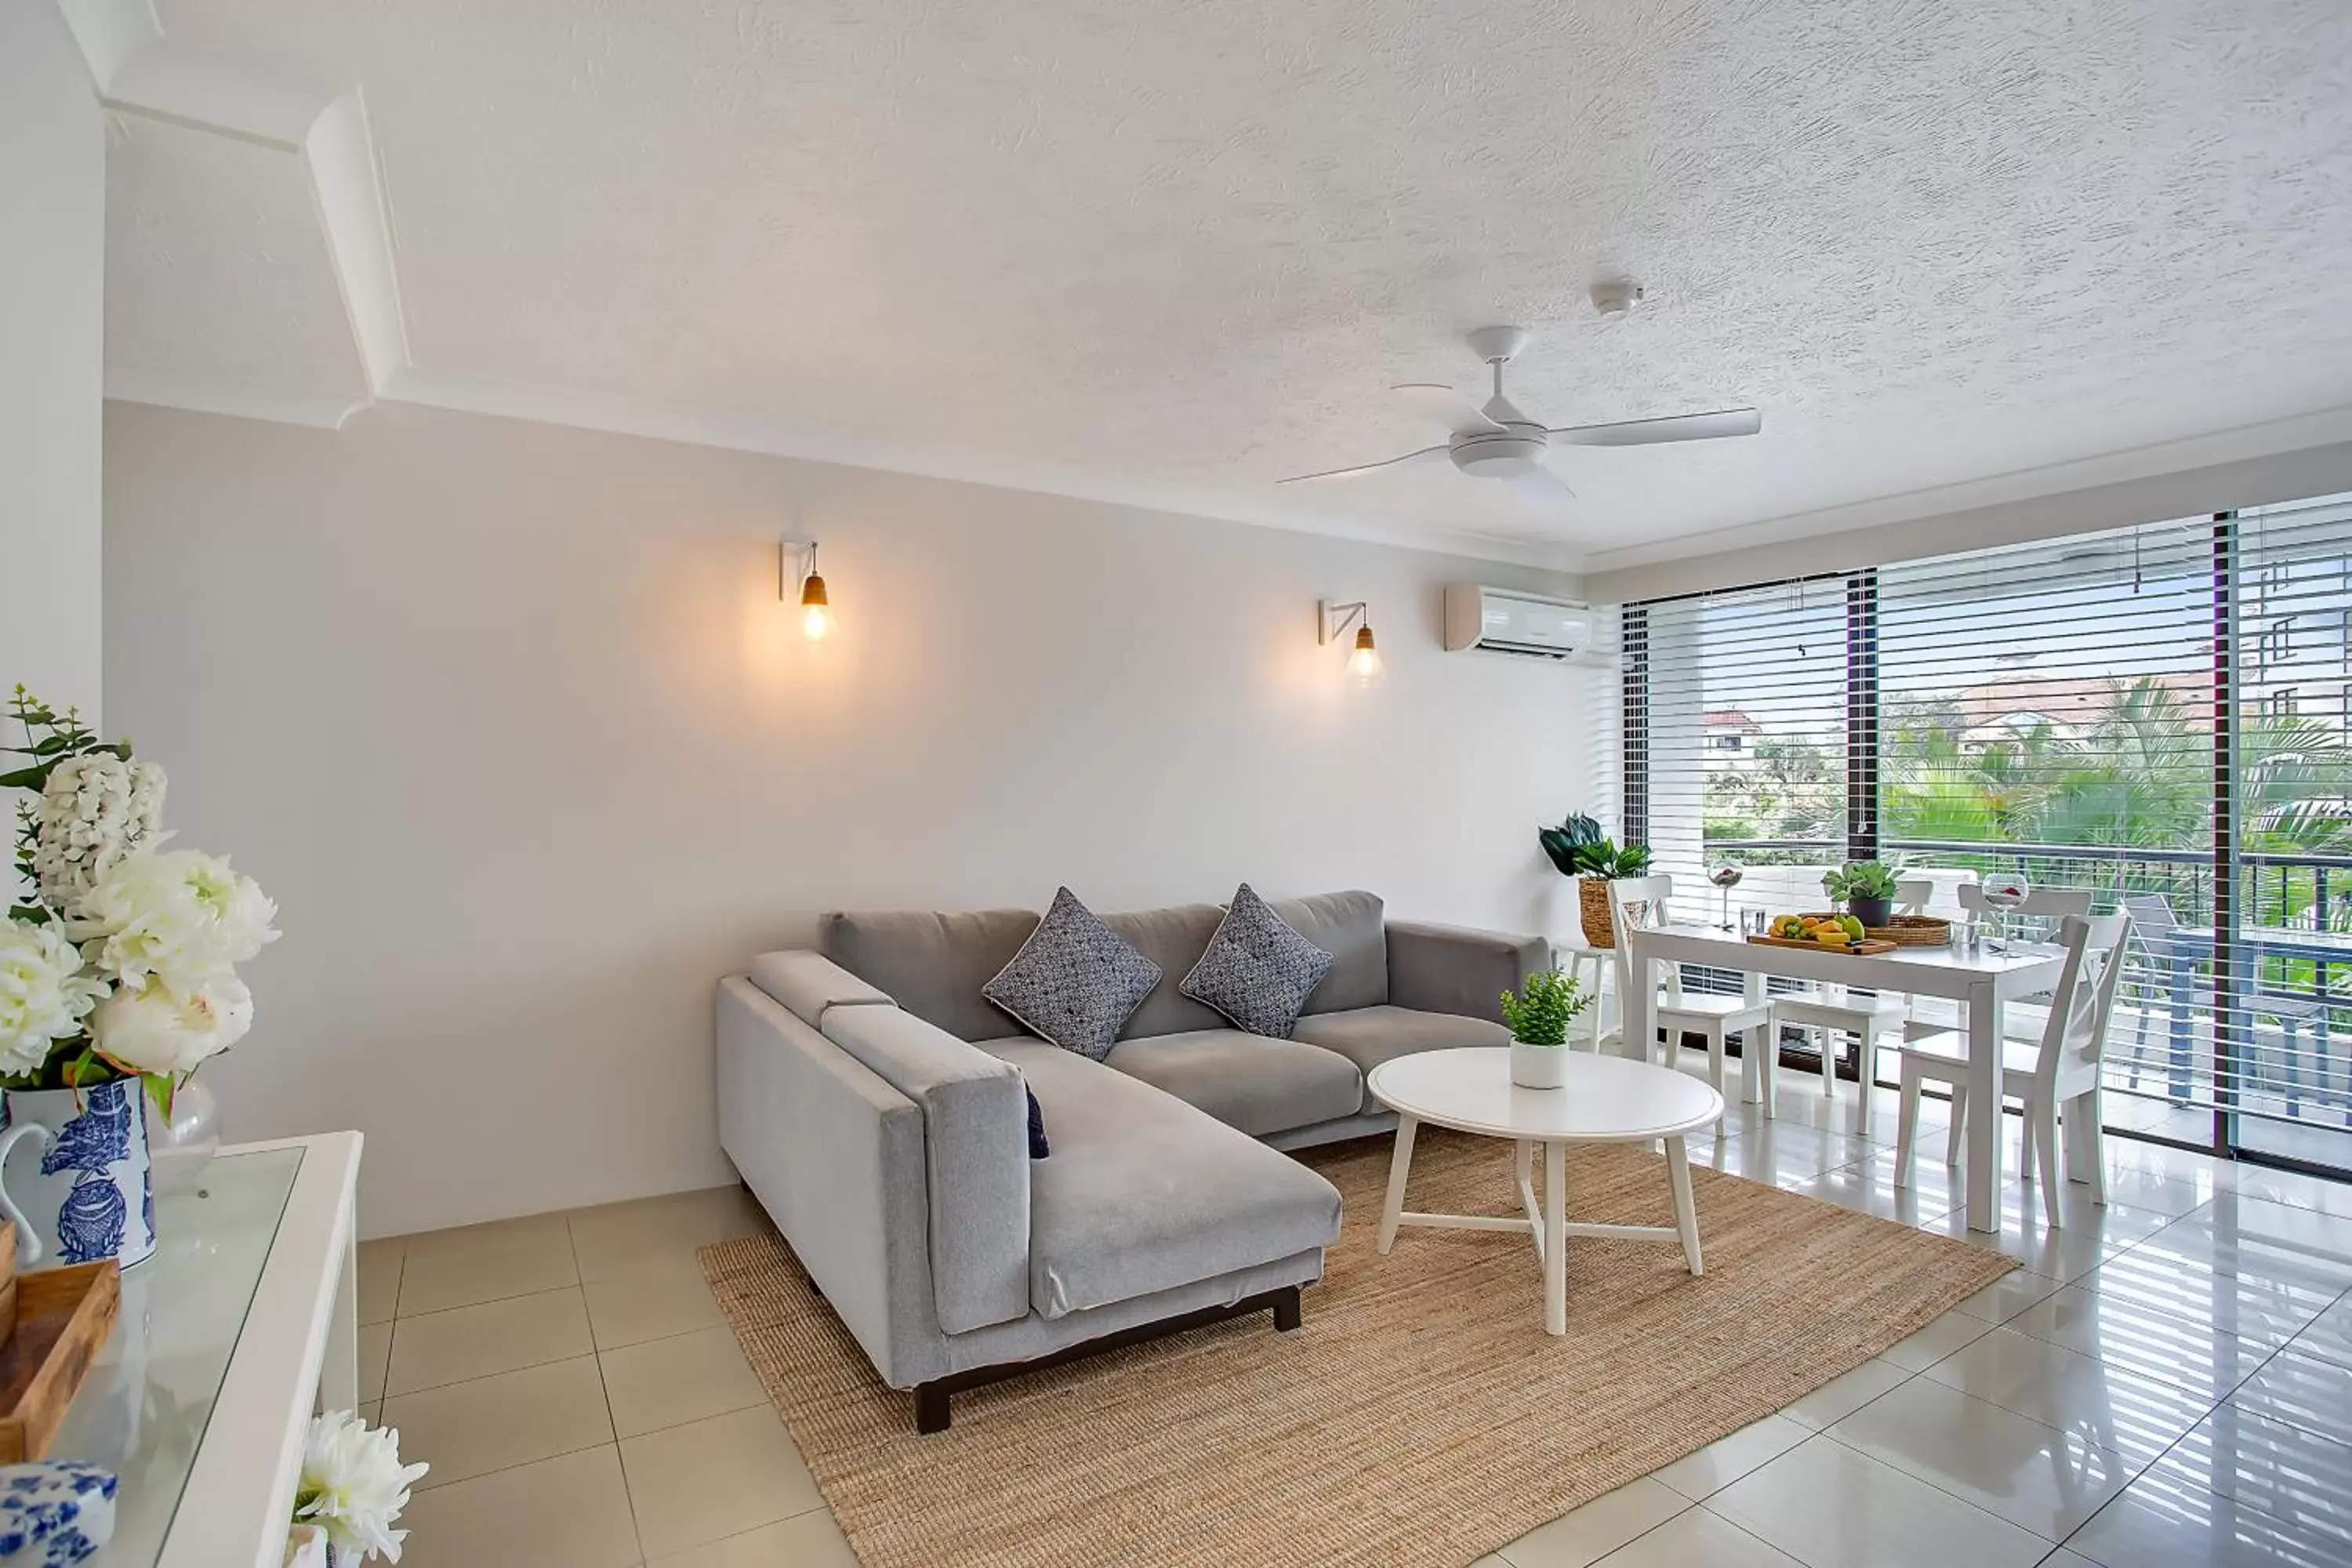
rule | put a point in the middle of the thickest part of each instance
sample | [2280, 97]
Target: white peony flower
[354, 1484]
[160, 1030]
[44, 995]
[95, 809]
[179, 916]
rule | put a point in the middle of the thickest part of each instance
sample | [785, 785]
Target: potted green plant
[1538, 1014]
[1579, 849]
[1866, 888]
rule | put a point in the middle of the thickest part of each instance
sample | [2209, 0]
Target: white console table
[243, 1324]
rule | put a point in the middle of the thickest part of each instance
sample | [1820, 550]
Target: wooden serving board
[1865, 947]
[63, 1318]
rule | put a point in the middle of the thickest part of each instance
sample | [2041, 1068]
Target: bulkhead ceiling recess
[1169, 254]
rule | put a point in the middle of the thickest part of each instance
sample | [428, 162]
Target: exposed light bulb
[816, 615]
[1364, 663]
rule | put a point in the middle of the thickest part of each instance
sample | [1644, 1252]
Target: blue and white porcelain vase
[75, 1176]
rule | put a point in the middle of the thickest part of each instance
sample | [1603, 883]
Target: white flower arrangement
[353, 1486]
[118, 957]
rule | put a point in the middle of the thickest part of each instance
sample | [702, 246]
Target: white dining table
[1982, 982]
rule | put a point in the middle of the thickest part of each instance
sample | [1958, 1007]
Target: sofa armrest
[1453, 969]
[836, 1155]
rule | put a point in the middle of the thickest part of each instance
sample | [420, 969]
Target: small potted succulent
[1579, 849]
[1866, 888]
[1538, 1014]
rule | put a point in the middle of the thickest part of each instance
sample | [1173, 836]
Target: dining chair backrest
[1913, 895]
[1637, 903]
[2080, 1003]
[2049, 903]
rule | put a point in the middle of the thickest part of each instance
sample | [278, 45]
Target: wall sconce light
[1363, 657]
[797, 577]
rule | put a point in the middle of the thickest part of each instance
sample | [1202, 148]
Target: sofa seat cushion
[1368, 1036]
[1253, 1083]
[1145, 1193]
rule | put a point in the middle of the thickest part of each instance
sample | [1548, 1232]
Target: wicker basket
[1593, 905]
[1907, 931]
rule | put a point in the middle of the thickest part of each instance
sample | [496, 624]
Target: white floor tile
[709, 1479]
[812, 1541]
[2180, 1527]
[467, 1429]
[2328, 1337]
[430, 1349]
[2035, 1476]
[1845, 1393]
[1585, 1535]
[1697, 1537]
[2285, 1470]
[1940, 1337]
[1830, 1506]
[2307, 1393]
[652, 1302]
[2120, 1332]
[667, 1383]
[1702, 1474]
[2136, 1417]
[569, 1512]
[2009, 1295]
[2259, 1312]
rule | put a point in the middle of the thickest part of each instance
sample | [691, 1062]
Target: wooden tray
[63, 1317]
[1866, 948]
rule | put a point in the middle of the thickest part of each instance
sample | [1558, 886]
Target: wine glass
[1726, 875]
[2003, 893]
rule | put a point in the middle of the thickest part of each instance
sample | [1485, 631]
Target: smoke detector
[1616, 299]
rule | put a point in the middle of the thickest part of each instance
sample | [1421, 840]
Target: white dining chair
[1833, 1010]
[2022, 1020]
[2062, 1070]
[1635, 902]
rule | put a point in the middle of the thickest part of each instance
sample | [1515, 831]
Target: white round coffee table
[1605, 1100]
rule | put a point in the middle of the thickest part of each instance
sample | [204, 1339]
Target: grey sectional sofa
[873, 1100]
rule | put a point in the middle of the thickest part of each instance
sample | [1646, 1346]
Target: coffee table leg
[1555, 1248]
[1400, 1163]
[1686, 1212]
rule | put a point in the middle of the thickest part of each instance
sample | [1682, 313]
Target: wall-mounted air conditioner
[1512, 621]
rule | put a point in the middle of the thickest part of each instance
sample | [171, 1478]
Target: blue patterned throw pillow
[1257, 970]
[1038, 1148]
[1075, 980]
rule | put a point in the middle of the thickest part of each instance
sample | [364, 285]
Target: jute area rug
[1421, 1416]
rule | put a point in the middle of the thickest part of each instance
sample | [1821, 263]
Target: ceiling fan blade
[1541, 488]
[1448, 407]
[1406, 461]
[1674, 427]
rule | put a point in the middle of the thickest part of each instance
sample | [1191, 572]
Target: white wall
[52, 357]
[510, 720]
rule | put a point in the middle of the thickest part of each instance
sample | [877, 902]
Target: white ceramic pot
[74, 1174]
[1537, 1067]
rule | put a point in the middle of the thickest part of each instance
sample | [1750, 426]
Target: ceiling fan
[1498, 442]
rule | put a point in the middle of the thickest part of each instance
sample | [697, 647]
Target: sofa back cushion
[976, 1134]
[1349, 926]
[1174, 938]
[932, 965]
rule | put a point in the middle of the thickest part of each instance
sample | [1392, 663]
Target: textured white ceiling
[216, 268]
[1150, 249]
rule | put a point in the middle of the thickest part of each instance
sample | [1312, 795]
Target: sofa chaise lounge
[874, 1101]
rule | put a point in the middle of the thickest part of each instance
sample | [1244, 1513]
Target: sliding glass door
[2157, 713]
